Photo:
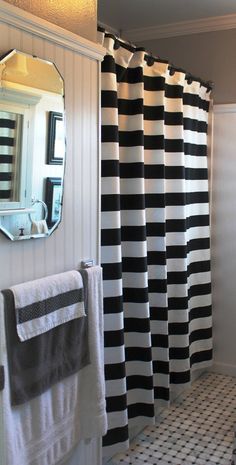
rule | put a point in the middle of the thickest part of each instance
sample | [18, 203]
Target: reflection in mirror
[32, 146]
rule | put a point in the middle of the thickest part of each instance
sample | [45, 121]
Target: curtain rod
[150, 59]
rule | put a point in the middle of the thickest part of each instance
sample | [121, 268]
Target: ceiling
[132, 14]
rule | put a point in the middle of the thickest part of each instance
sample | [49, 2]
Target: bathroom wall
[77, 237]
[78, 16]
[209, 55]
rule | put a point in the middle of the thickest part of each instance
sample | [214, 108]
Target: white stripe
[130, 91]
[177, 290]
[177, 264]
[134, 368]
[112, 288]
[194, 137]
[138, 218]
[157, 272]
[109, 116]
[132, 186]
[199, 346]
[116, 387]
[138, 340]
[154, 99]
[140, 395]
[134, 249]
[161, 379]
[110, 220]
[159, 327]
[131, 122]
[110, 151]
[111, 254]
[108, 82]
[195, 113]
[135, 280]
[200, 323]
[174, 132]
[157, 299]
[153, 128]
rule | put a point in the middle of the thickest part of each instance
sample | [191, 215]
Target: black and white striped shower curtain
[7, 154]
[155, 235]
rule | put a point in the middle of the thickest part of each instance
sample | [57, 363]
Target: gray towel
[38, 363]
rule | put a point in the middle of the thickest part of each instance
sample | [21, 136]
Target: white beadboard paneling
[77, 237]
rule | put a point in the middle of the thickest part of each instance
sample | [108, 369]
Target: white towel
[39, 227]
[45, 430]
[48, 302]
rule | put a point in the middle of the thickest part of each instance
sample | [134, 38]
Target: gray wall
[210, 56]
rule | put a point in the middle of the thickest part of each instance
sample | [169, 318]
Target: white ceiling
[132, 14]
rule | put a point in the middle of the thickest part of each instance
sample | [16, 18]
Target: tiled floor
[196, 429]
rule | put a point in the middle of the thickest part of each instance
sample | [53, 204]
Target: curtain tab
[150, 60]
[116, 44]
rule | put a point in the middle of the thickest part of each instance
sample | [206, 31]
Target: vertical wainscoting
[77, 237]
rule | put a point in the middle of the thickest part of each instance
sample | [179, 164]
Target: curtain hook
[116, 44]
[150, 60]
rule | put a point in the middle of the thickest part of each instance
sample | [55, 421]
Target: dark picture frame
[55, 147]
[53, 199]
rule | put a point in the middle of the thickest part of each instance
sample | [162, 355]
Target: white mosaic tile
[197, 429]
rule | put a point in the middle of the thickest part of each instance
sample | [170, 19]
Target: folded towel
[45, 430]
[39, 227]
[48, 302]
[38, 363]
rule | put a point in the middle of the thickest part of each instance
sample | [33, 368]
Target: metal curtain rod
[150, 59]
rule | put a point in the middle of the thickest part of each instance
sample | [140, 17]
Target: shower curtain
[155, 235]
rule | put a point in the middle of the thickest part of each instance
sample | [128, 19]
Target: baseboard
[223, 368]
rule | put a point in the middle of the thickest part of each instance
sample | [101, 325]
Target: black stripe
[114, 338]
[110, 134]
[133, 233]
[142, 382]
[154, 83]
[157, 285]
[130, 107]
[173, 118]
[5, 194]
[111, 236]
[141, 409]
[140, 354]
[110, 168]
[137, 295]
[180, 377]
[162, 393]
[195, 101]
[7, 141]
[112, 271]
[109, 99]
[173, 91]
[116, 436]
[7, 123]
[200, 312]
[161, 367]
[152, 113]
[139, 325]
[44, 307]
[200, 334]
[5, 176]
[8, 159]
[115, 371]
[116, 403]
[134, 265]
[113, 305]
[195, 125]
[195, 149]
[202, 356]
[160, 340]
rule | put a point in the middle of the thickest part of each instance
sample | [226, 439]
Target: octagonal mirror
[32, 146]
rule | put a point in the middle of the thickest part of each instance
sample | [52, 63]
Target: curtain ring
[150, 60]
[189, 80]
[116, 44]
[171, 71]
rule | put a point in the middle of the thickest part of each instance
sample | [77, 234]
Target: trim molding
[214, 23]
[224, 108]
[21, 19]
[224, 369]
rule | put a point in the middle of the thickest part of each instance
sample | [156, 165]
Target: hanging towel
[45, 430]
[39, 227]
[48, 302]
[38, 363]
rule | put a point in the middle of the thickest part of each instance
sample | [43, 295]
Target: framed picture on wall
[53, 199]
[56, 139]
